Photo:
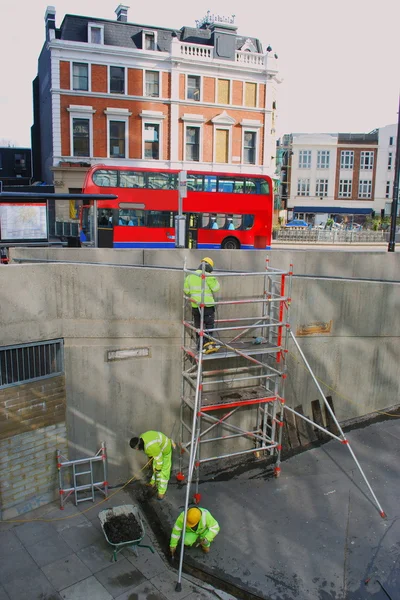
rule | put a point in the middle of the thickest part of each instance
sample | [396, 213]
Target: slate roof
[129, 35]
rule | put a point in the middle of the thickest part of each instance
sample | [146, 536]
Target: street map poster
[20, 222]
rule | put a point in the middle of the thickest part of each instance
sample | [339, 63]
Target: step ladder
[82, 491]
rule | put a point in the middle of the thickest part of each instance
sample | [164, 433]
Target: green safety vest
[155, 445]
[192, 288]
[207, 528]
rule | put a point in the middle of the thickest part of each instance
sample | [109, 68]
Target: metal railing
[319, 236]
[23, 363]
[66, 229]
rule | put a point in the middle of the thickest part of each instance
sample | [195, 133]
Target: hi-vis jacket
[192, 288]
[155, 445]
[207, 528]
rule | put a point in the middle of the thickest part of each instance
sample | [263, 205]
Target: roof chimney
[50, 20]
[122, 13]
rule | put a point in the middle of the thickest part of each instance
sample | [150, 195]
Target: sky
[339, 60]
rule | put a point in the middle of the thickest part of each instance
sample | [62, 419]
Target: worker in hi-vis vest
[201, 529]
[192, 288]
[158, 447]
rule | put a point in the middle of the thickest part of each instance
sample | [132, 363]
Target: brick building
[337, 174]
[120, 93]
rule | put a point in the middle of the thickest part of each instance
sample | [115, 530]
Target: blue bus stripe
[144, 245]
[172, 245]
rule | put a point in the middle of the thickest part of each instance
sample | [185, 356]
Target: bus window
[162, 181]
[195, 182]
[160, 218]
[105, 178]
[229, 223]
[210, 183]
[230, 185]
[131, 179]
[223, 221]
[132, 218]
[252, 186]
[247, 221]
[105, 218]
[265, 189]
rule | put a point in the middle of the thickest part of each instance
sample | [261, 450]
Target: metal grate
[23, 363]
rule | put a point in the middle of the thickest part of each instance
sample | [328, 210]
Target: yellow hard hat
[193, 517]
[208, 260]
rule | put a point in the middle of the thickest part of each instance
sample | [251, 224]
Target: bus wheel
[230, 243]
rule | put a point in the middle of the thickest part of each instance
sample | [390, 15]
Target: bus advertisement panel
[223, 210]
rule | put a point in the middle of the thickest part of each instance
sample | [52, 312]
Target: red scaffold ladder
[81, 473]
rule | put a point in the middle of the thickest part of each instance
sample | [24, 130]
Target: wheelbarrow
[126, 509]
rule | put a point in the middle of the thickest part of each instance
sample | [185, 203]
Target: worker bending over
[192, 288]
[158, 447]
[201, 529]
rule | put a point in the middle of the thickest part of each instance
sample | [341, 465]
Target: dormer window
[149, 41]
[95, 33]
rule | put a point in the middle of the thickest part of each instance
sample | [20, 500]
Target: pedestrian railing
[309, 236]
[67, 229]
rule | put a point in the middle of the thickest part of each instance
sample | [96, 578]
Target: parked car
[297, 223]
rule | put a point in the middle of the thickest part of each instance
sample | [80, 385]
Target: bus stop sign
[183, 184]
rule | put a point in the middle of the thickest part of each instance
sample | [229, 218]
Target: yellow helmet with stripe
[208, 260]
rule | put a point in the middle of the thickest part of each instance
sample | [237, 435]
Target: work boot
[206, 549]
[160, 497]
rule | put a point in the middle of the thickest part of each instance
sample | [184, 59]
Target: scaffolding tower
[247, 372]
[249, 369]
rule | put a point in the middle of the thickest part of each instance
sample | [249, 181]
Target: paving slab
[32, 586]
[201, 594]
[97, 556]
[88, 589]
[313, 533]
[16, 565]
[81, 535]
[32, 533]
[120, 577]
[3, 594]
[66, 572]
[144, 591]
[69, 517]
[166, 582]
[9, 542]
[47, 550]
[147, 563]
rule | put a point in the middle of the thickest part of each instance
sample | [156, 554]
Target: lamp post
[395, 201]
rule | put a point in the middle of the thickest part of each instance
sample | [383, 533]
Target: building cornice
[124, 97]
[67, 48]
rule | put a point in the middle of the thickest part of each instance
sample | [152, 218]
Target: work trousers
[191, 537]
[209, 320]
[161, 478]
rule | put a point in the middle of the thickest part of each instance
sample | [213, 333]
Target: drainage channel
[189, 566]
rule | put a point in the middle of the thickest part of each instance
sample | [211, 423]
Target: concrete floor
[314, 533]
[56, 555]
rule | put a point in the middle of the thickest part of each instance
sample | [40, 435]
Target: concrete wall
[319, 262]
[98, 308]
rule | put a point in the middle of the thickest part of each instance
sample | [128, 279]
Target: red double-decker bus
[223, 210]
